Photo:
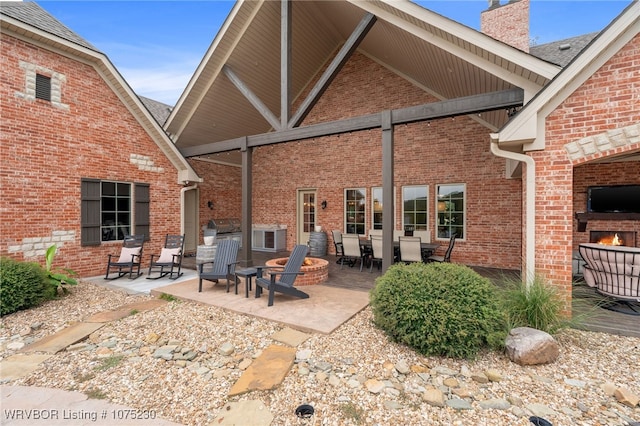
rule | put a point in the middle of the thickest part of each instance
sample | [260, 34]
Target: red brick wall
[508, 23]
[47, 150]
[222, 186]
[606, 101]
[439, 152]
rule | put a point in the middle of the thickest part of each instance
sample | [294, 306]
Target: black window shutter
[142, 203]
[90, 212]
[43, 87]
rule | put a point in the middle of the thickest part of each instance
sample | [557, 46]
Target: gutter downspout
[530, 210]
[182, 191]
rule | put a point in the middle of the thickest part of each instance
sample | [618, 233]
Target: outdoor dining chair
[447, 254]
[410, 250]
[376, 251]
[352, 250]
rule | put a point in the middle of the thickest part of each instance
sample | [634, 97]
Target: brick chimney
[508, 23]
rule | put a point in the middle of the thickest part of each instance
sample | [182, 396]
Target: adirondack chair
[169, 261]
[223, 266]
[281, 281]
[129, 261]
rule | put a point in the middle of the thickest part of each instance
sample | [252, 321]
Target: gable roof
[159, 110]
[29, 22]
[438, 55]
[32, 14]
[526, 129]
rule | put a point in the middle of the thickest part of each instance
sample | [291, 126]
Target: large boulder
[528, 346]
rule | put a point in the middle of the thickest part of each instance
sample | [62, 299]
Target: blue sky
[157, 45]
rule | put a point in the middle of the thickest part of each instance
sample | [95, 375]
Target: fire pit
[315, 270]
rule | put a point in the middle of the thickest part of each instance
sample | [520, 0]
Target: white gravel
[352, 376]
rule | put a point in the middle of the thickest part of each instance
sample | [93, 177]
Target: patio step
[267, 371]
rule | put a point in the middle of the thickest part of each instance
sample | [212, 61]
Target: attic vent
[43, 87]
[566, 46]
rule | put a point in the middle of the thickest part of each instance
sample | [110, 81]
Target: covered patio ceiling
[439, 56]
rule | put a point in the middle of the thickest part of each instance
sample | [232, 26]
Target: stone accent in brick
[591, 146]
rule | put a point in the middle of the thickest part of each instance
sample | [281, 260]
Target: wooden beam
[334, 68]
[450, 108]
[285, 62]
[251, 97]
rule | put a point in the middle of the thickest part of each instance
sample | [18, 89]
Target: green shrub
[57, 278]
[438, 308]
[537, 305]
[22, 285]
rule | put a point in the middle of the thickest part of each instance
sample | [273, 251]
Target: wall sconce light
[323, 204]
[210, 204]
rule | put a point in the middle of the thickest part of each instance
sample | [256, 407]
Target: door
[306, 215]
[190, 220]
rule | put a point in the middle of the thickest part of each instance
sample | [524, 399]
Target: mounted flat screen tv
[613, 199]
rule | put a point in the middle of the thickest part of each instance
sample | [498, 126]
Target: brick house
[362, 115]
[74, 135]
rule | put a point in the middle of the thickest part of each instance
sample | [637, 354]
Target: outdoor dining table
[427, 248]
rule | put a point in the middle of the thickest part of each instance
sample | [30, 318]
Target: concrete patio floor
[325, 310]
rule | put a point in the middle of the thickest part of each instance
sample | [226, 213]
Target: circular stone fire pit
[315, 270]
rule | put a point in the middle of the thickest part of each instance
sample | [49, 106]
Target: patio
[332, 303]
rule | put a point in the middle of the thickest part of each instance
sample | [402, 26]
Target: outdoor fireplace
[613, 238]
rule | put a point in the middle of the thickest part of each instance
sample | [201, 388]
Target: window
[355, 211]
[107, 210]
[376, 208]
[43, 87]
[414, 207]
[451, 210]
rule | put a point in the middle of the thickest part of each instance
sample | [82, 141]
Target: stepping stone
[290, 337]
[63, 338]
[267, 371]
[20, 365]
[126, 310]
[253, 413]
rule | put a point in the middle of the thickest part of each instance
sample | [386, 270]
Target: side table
[247, 274]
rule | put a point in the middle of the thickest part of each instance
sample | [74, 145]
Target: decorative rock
[25, 331]
[334, 380]
[245, 363]
[451, 382]
[303, 355]
[528, 346]
[626, 397]
[493, 375]
[462, 392]
[402, 367]
[104, 352]
[480, 378]
[392, 405]
[152, 338]
[496, 404]
[374, 386]
[540, 410]
[609, 388]
[322, 366]
[226, 349]
[15, 346]
[433, 397]
[443, 371]
[575, 383]
[321, 376]
[458, 404]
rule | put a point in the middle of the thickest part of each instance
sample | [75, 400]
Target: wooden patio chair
[130, 257]
[223, 266]
[169, 261]
[282, 281]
